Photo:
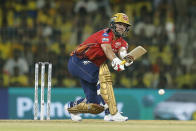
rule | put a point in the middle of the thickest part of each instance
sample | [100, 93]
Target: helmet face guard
[119, 18]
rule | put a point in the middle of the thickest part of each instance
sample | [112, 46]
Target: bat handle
[123, 62]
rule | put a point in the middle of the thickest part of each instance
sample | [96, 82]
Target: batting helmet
[122, 18]
[119, 18]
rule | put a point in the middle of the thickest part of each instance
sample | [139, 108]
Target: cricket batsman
[87, 62]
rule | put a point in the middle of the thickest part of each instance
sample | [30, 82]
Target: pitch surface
[96, 125]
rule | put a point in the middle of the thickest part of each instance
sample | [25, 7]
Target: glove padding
[116, 64]
[128, 63]
[129, 60]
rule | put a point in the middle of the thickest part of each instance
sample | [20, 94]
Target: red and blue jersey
[91, 47]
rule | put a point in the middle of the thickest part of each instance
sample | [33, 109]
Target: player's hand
[116, 64]
[129, 60]
[128, 63]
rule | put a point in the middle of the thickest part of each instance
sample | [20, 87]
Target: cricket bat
[134, 54]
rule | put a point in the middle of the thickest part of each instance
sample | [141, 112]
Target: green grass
[96, 125]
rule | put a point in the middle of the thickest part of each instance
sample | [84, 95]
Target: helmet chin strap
[117, 34]
[124, 34]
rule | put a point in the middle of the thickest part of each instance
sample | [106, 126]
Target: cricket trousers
[88, 73]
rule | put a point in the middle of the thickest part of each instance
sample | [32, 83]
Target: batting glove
[116, 64]
[128, 63]
[129, 60]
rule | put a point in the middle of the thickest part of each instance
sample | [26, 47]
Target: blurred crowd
[48, 30]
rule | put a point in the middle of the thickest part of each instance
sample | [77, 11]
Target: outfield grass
[96, 125]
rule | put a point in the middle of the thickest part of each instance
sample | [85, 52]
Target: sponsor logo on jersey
[105, 39]
[105, 34]
[117, 44]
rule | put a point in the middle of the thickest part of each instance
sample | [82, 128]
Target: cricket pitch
[97, 125]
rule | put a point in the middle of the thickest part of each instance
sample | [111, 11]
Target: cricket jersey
[91, 47]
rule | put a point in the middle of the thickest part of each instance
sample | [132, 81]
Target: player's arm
[122, 53]
[108, 51]
[116, 62]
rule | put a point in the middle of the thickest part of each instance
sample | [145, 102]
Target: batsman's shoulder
[124, 43]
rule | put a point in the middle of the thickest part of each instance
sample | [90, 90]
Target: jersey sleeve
[105, 38]
[124, 44]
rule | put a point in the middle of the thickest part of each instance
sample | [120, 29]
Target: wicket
[36, 103]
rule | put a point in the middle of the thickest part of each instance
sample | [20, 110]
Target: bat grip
[123, 62]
